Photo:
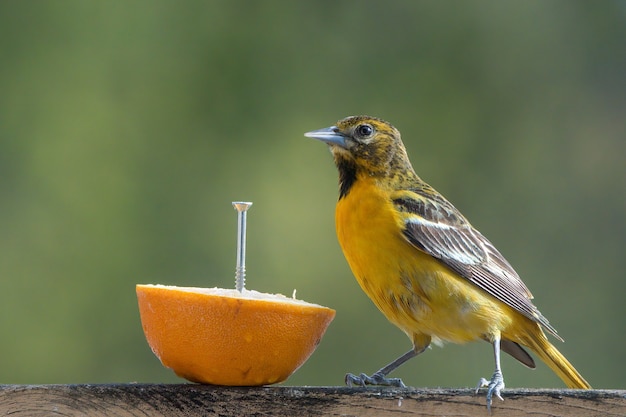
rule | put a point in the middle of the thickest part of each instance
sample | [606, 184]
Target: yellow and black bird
[423, 264]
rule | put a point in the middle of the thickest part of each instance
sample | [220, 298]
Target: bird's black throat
[347, 175]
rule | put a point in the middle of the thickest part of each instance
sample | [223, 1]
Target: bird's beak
[329, 135]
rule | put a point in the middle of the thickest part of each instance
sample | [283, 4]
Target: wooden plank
[204, 400]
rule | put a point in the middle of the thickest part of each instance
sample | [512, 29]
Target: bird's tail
[539, 344]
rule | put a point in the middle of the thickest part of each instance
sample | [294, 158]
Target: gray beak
[329, 135]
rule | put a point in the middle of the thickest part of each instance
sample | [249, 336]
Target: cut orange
[223, 337]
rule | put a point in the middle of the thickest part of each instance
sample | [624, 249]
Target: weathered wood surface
[203, 400]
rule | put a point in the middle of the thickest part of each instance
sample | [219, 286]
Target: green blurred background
[127, 128]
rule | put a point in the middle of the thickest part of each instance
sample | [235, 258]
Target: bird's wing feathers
[435, 226]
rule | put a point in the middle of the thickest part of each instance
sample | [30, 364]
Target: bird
[422, 263]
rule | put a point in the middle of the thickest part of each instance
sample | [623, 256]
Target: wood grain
[204, 400]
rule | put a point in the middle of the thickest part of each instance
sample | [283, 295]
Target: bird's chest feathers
[369, 230]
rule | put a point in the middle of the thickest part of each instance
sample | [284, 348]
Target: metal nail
[240, 272]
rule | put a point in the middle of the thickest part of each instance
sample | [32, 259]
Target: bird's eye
[364, 131]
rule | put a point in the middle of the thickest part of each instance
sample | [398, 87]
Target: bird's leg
[496, 384]
[420, 343]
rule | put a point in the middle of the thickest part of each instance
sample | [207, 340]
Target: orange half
[223, 337]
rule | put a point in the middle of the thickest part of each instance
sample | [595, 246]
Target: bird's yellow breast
[413, 290]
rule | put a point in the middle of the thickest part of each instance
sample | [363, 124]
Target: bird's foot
[376, 379]
[494, 387]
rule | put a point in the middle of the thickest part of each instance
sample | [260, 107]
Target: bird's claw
[376, 379]
[494, 387]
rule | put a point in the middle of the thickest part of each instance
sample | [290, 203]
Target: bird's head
[364, 145]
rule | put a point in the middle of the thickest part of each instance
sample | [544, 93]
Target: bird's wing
[435, 226]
